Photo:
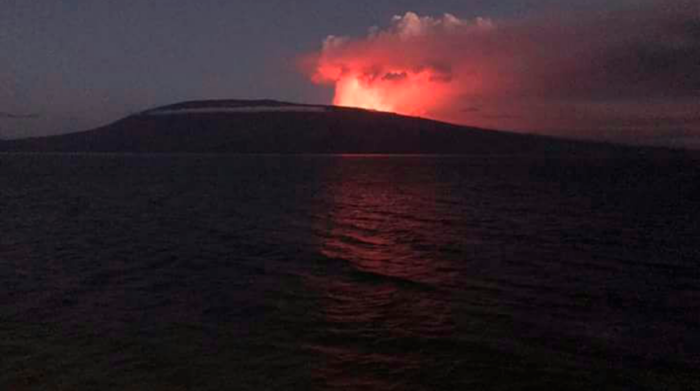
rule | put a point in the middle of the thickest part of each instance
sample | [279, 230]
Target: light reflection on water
[272, 272]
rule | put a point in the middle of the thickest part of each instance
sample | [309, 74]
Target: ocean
[271, 272]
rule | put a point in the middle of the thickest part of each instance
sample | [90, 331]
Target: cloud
[582, 73]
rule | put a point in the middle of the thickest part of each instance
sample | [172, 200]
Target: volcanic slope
[268, 126]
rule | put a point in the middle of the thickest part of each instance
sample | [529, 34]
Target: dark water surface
[331, 272]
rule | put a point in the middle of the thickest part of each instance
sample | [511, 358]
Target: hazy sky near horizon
[72, 65]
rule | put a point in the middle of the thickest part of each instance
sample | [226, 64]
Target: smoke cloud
[630, 75]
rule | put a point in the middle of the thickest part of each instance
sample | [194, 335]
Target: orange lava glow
[396, 90]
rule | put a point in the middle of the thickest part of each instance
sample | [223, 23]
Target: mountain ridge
[271, 126]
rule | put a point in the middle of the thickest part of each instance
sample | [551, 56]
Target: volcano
[269, 126]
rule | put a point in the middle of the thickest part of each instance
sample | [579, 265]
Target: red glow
[412, 95]
[396, 90]
[538, 74]
[402, 69]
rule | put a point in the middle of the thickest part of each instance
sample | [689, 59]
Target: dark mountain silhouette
[267, 126]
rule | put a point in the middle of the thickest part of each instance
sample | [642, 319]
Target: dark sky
[72, 65]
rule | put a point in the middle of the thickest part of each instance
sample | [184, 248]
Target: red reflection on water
[380, 287]
[384, 224]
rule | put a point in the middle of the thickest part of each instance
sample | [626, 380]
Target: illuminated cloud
[617, 74]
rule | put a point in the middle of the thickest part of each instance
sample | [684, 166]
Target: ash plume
[615, 74]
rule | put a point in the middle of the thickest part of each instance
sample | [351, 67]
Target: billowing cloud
[625, 74]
